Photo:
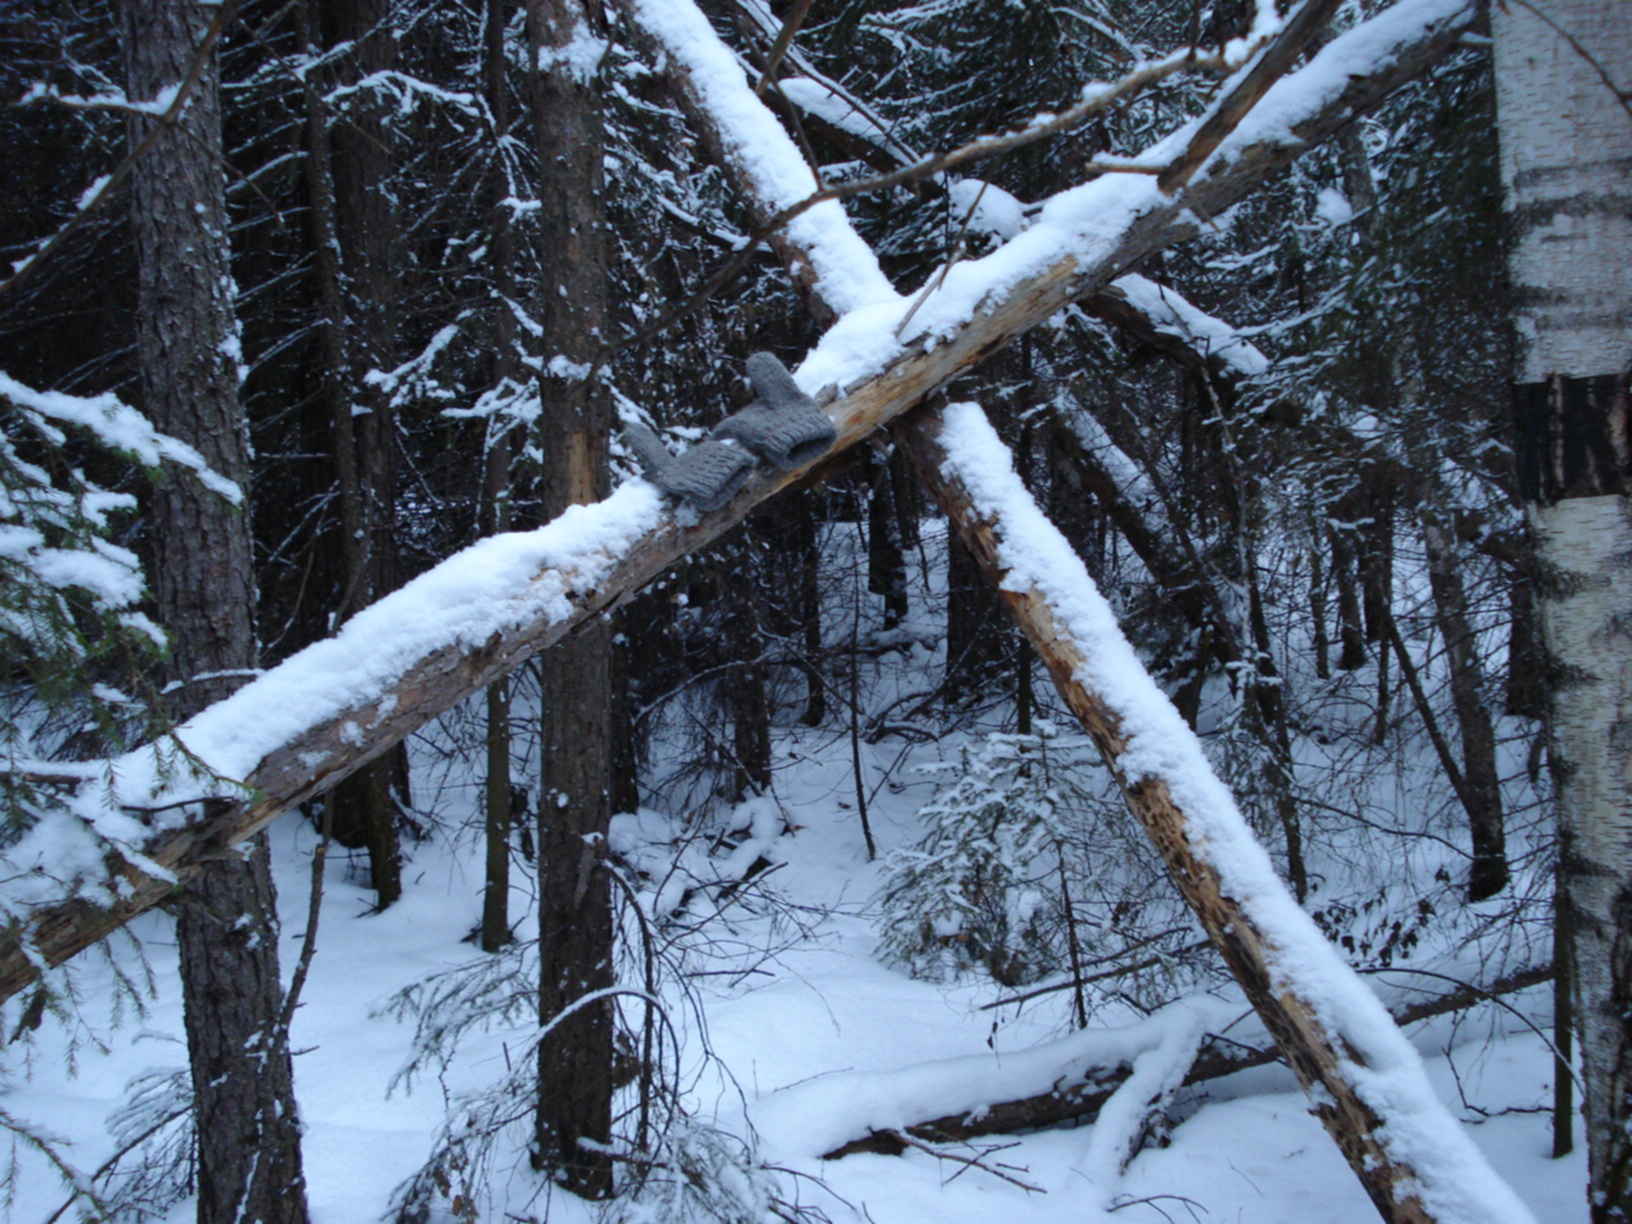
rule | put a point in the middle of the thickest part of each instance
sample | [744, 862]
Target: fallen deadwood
[390, 695]
[1365, 1083]
[1077, 1097]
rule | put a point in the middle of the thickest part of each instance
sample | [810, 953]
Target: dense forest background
[1283, 451]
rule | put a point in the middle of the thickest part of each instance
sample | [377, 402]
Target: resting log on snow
[1080, 1098]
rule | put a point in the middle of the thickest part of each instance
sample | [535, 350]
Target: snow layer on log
[846, 269]
[1456, 1184]
[820, 1115]
[492, 586]
[1171, 313]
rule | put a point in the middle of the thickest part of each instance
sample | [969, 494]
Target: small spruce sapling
[975, 892]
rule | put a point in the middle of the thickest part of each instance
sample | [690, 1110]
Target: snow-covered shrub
[698, 1173]
[982, 888]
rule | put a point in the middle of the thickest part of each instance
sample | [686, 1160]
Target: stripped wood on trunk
[1289, 975]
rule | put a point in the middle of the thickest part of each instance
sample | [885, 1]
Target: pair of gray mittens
[783, 429]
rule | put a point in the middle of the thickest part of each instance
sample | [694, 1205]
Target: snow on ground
[1249, 1151]
[820, 1013]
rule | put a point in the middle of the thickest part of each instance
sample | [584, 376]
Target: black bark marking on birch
[1532, 175]
[1574, 437]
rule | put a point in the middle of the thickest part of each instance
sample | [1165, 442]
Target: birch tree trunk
[249, 1161]
[1566, 137]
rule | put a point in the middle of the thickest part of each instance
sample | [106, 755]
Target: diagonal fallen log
[1076, 1094]
[1367, 1085]
[1364, 1080]
[315, 719]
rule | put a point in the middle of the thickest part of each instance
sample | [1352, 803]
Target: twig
[1117, 971]
[784, 40]
[308, 938]
[1474, 990]
[69, 1174]
[1150, 1200]
[107, 1165]
[1624, 97]
[977, 1161]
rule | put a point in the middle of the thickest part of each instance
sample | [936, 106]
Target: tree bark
[498, 806]
[248, 1126]
[1566, 155]
[575, 906]
[1481, 790]
[347, 165]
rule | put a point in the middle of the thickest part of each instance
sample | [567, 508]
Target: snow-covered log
[1366, 1083]
[1127, 1072]
[1074, 1086]
[307, 724]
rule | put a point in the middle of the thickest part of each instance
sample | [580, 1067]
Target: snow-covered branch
[1068, 1080]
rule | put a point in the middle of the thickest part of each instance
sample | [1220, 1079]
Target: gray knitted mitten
[783, 426]
[706, 476]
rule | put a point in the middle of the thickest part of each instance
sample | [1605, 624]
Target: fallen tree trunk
[363, 691]
[1365, 1082]
[1077, 1096]
[1367, 1085]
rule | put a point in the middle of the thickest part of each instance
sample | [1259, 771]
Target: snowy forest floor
[1247, 1149]
[776, 985]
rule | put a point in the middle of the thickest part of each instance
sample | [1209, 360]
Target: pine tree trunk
[575, 916]
[886, 568]
[498, 808]
[1322, 643]
[348, 164]
[249, 1161]
[1567, 178]
[810, 610]
[1351, 634]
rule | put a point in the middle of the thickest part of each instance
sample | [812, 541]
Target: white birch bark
[1564, 93]
[1567, 177]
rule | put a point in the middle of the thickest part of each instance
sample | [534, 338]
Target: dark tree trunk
[810, 610]
[353, 226]
[974, 628]
[1482, 786]
[1377, 587]
[499, 810]
[886, 568]
[575, 916]
[249, 1164]
[1317, 611]
[1526, 659]
[744, 688]
[1351, 633]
